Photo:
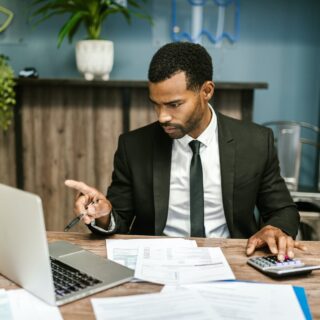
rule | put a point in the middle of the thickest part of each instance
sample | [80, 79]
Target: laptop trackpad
[88, 262]
[61, 248]
[101, 268]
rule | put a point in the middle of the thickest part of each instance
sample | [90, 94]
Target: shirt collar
[206, 136]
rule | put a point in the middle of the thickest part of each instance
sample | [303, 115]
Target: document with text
[125, 252]
[172, 265]
[186, 305]
[247, 301]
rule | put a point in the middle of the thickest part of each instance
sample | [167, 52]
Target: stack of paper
[220, 301]
[125, 252]
[170, 261]
[182, 265]
[190, 293]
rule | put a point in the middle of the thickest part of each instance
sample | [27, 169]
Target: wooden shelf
[130, 83]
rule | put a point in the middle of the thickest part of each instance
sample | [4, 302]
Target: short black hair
[191, 58]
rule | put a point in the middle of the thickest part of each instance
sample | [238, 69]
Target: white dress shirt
[178, 221]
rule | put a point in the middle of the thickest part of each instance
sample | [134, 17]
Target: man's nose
[163, 115]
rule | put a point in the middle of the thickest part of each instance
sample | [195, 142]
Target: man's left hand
[279, 243]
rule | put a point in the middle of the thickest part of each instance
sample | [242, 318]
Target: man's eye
[174, 105]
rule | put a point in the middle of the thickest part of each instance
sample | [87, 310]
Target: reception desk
[69, 128]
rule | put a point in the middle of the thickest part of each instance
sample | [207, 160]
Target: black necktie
[196, 192]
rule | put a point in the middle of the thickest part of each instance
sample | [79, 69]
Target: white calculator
[271, 266]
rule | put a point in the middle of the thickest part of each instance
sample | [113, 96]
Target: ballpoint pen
[74, 221]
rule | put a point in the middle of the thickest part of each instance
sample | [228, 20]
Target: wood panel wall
[8, 157]
[68, 129]
[68, 133]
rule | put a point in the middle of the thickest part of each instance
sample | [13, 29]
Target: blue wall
[279, 44]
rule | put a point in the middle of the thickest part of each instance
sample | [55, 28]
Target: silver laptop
[58, 273]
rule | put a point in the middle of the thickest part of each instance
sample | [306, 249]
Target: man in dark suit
[194, 172]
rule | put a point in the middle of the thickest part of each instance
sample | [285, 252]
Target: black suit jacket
[250, 177]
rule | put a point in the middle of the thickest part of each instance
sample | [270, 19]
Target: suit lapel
[161, 178]
[227, 163]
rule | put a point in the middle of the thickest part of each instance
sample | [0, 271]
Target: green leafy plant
[91, 13]
[7, 93]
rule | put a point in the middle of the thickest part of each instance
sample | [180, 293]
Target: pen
[73, 222]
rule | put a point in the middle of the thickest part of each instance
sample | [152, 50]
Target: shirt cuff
[110, 229]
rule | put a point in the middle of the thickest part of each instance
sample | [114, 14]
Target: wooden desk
[232, 248]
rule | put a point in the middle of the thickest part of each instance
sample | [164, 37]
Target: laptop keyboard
[68, 280]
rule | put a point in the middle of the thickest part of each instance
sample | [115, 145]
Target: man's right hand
[91, 202]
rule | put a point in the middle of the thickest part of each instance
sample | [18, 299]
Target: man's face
[181, 111]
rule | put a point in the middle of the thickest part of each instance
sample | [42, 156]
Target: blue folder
[302, 298]
[300, 294]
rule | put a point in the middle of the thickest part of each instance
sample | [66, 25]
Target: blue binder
[300, 294]
[302, 298]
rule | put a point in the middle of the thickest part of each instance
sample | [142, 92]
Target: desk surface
[232, 248]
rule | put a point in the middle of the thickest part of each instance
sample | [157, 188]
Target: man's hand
[279, 243]
[91, 202]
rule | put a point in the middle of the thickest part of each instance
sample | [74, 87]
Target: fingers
[81, 204]
[99, 208]
[282, 247]
[290, 247]
[277, 241]
[87, 219]
[285, 247]
[81, 187]
[92, 209]
[251, 246]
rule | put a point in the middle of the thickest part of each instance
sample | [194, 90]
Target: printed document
[25, 306]
[247, 301]
[125, 252]
[186, 305]
[170, 265]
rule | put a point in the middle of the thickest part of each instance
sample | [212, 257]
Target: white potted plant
[94, 56]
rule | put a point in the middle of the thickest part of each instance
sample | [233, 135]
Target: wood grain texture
[8, 157]
[141, 111]
[68, 133]
[232, 248]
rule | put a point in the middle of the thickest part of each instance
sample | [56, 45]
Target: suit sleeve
[274, 201]
[119, 194]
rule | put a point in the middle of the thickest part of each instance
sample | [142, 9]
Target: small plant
[7, 93]
[91, 13]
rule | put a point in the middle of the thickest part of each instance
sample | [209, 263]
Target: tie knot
[195, 146]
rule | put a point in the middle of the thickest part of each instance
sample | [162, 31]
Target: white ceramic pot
[94, 58]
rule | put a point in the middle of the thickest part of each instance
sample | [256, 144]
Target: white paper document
[25, 306]
[125, 252]
[247, 301]
[5, 310]
[172, 265]
[186, 305]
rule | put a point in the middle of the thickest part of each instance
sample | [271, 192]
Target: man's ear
[208, 90]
